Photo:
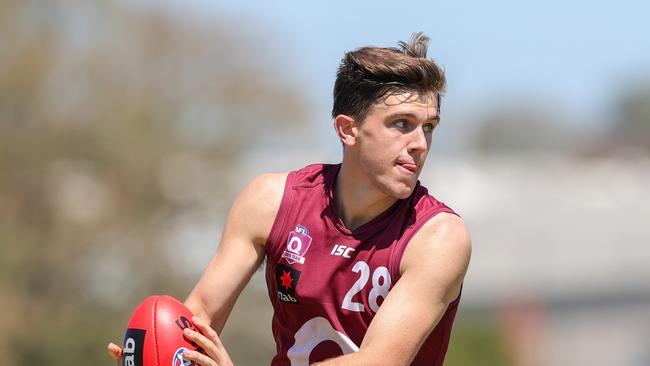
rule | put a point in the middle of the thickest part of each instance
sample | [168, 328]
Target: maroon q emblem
[297, 245]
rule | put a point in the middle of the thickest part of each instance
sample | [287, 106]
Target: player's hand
[114, 351]
[208, 340]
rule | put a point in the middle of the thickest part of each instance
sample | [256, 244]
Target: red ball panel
[154, 336]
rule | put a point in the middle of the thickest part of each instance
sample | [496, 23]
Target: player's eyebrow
[410, 115]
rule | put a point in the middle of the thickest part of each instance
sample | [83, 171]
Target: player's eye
[428, 128]
[400, 123]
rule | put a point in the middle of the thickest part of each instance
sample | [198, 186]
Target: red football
[154, 336]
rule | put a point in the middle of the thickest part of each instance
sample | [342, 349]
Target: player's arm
[240, 251]
[433, 267]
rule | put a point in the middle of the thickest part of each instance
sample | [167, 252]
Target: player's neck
[358, 201]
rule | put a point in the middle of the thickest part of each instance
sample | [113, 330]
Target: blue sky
[573, 55]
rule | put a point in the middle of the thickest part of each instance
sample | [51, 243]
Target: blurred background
[127, 127]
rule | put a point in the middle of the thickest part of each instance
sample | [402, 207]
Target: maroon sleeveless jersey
[326, 282]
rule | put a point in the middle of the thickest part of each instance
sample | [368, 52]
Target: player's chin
[402, 196]
[403, 190]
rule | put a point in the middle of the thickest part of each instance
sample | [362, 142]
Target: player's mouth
[408, 168]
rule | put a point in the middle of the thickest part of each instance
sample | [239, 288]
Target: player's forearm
[196, 307]
[217, 318]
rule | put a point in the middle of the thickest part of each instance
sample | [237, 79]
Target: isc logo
[341, 251]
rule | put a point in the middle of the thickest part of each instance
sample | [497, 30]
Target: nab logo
[179, 360]
[287, 298]
[286, 280]
[341, 251]
[133, 344]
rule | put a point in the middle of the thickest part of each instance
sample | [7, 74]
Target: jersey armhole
[398, 251]
[281, 217]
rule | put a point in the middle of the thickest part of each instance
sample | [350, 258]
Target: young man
[363, 266]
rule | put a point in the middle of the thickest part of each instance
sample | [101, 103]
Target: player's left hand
[208, 340]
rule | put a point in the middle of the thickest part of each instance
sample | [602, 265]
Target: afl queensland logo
[179, 360]
[297, 245]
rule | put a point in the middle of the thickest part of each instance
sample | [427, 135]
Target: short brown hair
[369, 74]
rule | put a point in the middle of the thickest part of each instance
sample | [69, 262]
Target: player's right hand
[114, 351]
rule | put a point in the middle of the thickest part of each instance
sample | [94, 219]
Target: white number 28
[380, 286]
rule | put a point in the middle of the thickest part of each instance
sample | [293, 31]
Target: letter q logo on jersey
[297, 245]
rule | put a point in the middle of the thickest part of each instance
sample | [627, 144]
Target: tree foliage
[116, 121]
[632, 126]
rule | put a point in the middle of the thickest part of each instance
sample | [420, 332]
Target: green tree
[632, 121]
[529, 127]
[117, 120]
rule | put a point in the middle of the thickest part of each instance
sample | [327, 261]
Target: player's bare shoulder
[257, 205]
[444, 231]
[265, 192]
[441, 249]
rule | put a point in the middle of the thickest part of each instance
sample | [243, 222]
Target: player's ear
[346, 128]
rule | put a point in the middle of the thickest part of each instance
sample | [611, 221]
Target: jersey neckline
[370, 227]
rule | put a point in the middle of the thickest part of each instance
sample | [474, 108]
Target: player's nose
[418, 140]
